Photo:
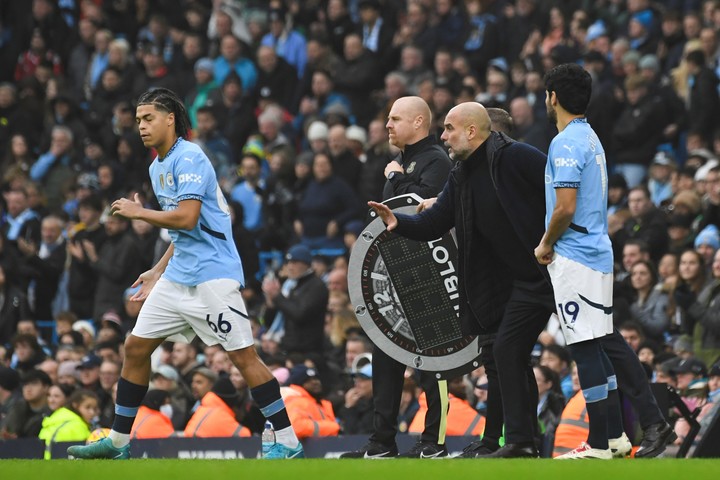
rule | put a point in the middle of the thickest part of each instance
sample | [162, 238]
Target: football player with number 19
[195, 288]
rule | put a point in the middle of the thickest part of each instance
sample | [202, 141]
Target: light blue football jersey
[206, 252]
[576, 159]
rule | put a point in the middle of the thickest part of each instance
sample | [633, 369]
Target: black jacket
[426, 167]
[518, 172]
[304, 312]
[13, 309]
[46, 273]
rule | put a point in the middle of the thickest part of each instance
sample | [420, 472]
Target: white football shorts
[583, 298]
[214, 311]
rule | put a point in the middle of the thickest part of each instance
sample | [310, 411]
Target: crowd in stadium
[289, 101]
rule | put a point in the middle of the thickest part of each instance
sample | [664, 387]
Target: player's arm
[559, 222]
[184, 217]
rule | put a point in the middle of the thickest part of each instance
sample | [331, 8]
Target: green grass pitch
[450, 469]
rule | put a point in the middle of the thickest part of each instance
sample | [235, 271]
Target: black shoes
[374, 451]
[655, 438]
[426, 450]
[513, 450]
[476, 449]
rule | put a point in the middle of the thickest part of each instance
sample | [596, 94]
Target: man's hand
[385, 213]
[147, 281]
[271, 288]
[27, 248]
[544, 253]
[351, 397]
[76, 250]
[426, 204]
[393, 166]
[127, 208]
[90, 250]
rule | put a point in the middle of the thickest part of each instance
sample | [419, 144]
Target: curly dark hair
[167, 101]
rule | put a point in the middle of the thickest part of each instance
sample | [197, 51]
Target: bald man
[506, 296]
[421, 168]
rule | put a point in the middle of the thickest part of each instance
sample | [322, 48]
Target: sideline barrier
[216, 448]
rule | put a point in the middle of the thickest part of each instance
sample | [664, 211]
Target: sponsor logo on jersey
[565, 162]
[190, 178]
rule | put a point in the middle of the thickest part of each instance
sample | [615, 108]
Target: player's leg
[634, 385]
[618, 442]
[158, 319]
[594, 385]
[584, 306]
[218, 315]
[131, 390]
[265, 390]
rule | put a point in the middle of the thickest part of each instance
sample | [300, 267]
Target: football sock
[129, 397]
[119, 440]
[593, 381]
[272, 406]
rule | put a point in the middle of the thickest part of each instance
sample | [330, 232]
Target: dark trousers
[631, 378]
[512, 389]
[388, 378]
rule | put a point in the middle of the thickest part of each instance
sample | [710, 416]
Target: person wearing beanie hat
[311, 415]
[297, 307]
[215, 416]
[317, 136]
[318, 130]
[661, 169]
[707, 243]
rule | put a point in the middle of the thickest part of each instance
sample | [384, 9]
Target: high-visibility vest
[308, 417]
[574, 426]
[213, 418]
[462, 419]
[151, 423]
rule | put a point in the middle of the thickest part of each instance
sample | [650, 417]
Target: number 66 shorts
[214, 311]
[583, 299]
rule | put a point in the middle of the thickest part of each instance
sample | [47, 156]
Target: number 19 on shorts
[569, 309]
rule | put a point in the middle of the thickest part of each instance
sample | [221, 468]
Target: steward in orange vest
[462, 419]
[574, 425]
[215, 417]
[310, 415]
[150, 422]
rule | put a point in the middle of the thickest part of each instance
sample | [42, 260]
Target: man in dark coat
[13, 308]
[299, 305]
[43, 266]
[422, 168]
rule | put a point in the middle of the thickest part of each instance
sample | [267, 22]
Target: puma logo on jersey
[569, 147]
